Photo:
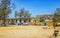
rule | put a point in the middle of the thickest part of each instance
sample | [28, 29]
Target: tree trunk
[4, 22]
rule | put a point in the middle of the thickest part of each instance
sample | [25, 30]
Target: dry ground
[26, 32]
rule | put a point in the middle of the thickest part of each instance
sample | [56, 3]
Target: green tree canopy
[23, 14]
[56, 17]
[15, 14]
[5, 9]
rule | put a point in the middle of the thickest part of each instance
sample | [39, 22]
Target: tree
[36, 20]
[23, 14]
[16, 15]
[56, 17]
[5, 9]
[27, 15]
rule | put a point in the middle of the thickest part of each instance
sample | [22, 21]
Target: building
[15, 20]
[47, 17]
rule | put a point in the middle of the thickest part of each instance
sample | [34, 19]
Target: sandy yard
[26, 32]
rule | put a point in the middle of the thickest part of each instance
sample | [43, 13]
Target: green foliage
[56, 17]
[15, 14]
[5, 9]
[23, 14]
[36, 19]
[26, 14]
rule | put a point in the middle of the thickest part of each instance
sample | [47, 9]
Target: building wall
[15, 20]
[45, 17]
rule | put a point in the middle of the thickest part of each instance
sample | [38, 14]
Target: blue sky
[36, 7]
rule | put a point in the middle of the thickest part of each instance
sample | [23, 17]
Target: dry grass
[42, 23]
[25, 32]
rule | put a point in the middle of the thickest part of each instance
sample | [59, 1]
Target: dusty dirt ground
[26, 32]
